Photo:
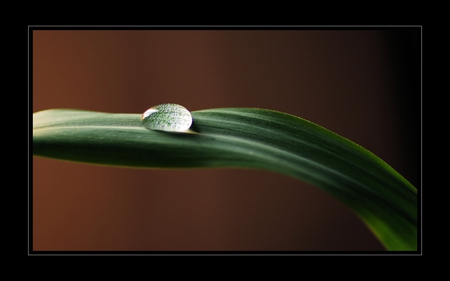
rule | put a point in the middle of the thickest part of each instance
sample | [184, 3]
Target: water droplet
[167, 117]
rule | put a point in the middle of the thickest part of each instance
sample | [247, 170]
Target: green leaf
[246, 138]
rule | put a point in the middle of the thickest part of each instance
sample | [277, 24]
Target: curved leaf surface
[246, 138]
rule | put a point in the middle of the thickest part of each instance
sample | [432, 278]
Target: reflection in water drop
[167, 117]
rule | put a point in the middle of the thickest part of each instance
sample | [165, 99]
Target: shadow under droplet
[194, 128]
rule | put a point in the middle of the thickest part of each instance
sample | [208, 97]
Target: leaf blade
[242, 138]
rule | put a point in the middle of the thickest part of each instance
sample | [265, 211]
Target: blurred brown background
[361, 84]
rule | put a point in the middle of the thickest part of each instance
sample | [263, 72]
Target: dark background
[362, 84]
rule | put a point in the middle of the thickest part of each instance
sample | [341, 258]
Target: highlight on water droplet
[169, 117]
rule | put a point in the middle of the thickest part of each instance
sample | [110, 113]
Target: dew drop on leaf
[167, 117]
